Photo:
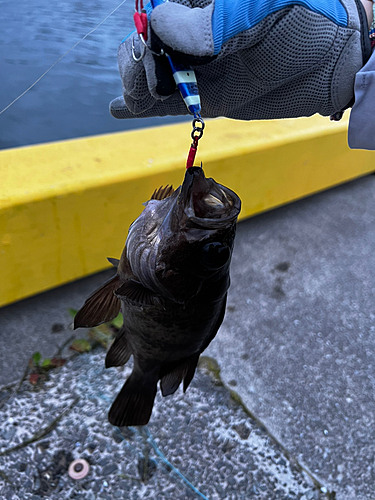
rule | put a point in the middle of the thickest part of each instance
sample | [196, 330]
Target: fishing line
[145, 430]
[170, 465]
[61, 57]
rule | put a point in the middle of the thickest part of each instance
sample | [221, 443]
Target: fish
[171, 285]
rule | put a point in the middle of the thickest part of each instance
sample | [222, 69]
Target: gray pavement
[204, 437]
[297, 347]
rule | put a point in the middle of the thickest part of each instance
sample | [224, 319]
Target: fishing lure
[184, 77]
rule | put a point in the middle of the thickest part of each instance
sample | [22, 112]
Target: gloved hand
[253, 59]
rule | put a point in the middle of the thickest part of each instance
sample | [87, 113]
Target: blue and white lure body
[185, 79]
[184, 76]
[186, 82]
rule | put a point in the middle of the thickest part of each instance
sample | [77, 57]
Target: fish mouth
[206, 203]
[194, 177]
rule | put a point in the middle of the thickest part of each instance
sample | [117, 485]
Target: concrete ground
[296, 347]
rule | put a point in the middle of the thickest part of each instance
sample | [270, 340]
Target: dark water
[72, 99]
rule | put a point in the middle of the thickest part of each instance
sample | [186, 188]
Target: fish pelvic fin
[119, 352]
[162, 193]
[172, 380]
[101, 306]
[136, 292]
[191, 371]
[114, 262]
[134, 403]
[184, 371]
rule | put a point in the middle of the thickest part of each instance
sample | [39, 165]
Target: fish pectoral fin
[114, 262]
[136, 292]
[119, 352]
[217, 325]
[134, 403]
[101, 306]
[162, 193]
[184, 371]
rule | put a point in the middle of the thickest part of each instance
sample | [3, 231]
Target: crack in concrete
[213, 367]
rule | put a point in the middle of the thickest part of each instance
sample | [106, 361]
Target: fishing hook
[144, 47]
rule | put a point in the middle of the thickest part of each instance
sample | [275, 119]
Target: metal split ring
[198, 120]
[197, 131]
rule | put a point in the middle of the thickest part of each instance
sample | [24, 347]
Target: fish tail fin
[101, 306]
[134, 403]
[119, 352]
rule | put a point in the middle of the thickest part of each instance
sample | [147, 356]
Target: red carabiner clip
[140, 19]
[192, 153]
[196, 134]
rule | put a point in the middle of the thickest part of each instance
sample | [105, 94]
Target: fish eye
[214, 255]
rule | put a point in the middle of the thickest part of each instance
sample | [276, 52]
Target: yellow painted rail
[66, 206]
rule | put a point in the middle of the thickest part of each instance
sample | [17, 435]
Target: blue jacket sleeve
[231, 17]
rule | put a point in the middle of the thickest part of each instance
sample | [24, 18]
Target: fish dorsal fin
[101, 306]
[136, 292]
[162, 193]
[114, 262]
[119, 352]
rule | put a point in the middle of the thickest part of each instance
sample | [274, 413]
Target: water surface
[72, 99]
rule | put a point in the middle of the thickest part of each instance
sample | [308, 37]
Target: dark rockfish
[172, 281]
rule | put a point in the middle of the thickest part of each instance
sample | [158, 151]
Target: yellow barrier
[66, 206]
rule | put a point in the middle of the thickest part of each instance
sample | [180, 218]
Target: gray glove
[253, 59]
